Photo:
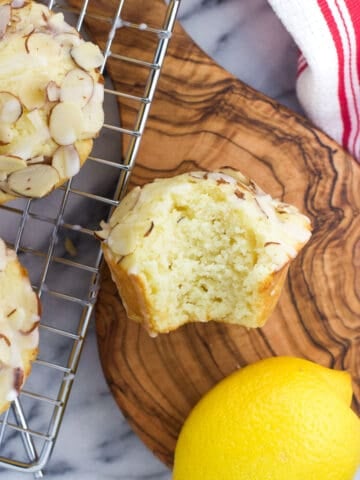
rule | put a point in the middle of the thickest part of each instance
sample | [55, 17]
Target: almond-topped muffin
[19, 326]
[51, 99]
[201, 246]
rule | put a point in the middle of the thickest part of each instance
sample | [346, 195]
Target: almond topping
[126, 205]
[77, 87]
[10, 163]
[33, 327]
[57, 24]
[124, 237]
[52, 91]
[87, 55]
[67, 40]
[17, 3]
[102, 234]
[6, 134]
[38, 43]
[37, 159]
[5, 15]
[98, 94]
[65, 123]
[10, 107]
[6, 339]
[35, 181]
[66, 160]
[150, 230]
[239, 194]
[5, 190]
[93, 119]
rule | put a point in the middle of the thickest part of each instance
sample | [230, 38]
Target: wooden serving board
[203, 117]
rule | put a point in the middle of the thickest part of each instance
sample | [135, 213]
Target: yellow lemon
[281, 418]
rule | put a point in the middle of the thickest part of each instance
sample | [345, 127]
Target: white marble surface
[95, 442]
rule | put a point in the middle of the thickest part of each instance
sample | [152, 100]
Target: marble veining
[95, 441]
[248, 40]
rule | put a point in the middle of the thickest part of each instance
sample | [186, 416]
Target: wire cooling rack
[54, 239]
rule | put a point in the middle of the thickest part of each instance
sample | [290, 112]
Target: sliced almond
[98, 94]
[87, 55]
[5, 192]
[77, 87]
[38, 43]
[93, 119]
[35, 181]
[10, 163]
[66, 123]
[123, 238]
[28, 29]
[6, 134]
[5, 16]
[198, 175]
[10, 108]
[37, 159]
[67, 40]
[66, 160]
[126, 205]
[53, 91]
[102, 234]
[38, 16]
[57, 24]
[221, 177]
[17, 3]
[34, 326]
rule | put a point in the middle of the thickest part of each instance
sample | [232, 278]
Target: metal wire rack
[54, 239]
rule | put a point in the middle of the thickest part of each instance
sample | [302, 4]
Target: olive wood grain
[203, 117]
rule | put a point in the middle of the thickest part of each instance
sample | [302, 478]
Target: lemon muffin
[19, 326]
[51, 99]
[201, 246]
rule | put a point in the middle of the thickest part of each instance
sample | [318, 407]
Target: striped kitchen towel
[327, 33]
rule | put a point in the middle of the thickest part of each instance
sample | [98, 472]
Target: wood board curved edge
[202, 117]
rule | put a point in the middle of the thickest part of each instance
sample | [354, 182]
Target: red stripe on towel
[324, 7]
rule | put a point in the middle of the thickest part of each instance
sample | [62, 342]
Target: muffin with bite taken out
[201, 246]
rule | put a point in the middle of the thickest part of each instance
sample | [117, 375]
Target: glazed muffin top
[51, 96]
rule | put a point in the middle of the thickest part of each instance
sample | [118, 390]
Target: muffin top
[282, 228]
[51, 96]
